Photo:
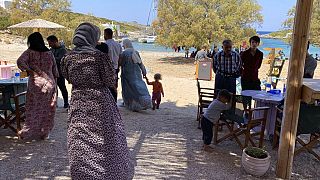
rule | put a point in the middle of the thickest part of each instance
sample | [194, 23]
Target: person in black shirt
[251, 63]
[59, 51]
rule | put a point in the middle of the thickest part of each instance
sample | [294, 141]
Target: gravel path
[164, 144]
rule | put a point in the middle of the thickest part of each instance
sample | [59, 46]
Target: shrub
[256, 152]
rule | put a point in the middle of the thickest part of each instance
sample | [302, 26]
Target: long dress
[41, 93]
[135, 94]
[97, 143]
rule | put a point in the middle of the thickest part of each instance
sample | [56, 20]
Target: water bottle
[17, 76]
[284, 89]
[268, 84]
[268, 87]
[13, 76]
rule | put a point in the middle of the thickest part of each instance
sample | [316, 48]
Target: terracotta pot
[255, 166]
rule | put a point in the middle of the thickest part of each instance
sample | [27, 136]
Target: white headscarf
[86, 37]
[128, 47]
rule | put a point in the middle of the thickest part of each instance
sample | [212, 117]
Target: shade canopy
[37, 23]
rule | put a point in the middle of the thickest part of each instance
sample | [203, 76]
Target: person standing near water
[227, 66]
[97, 144]
[114, 51]
[135, 93]
[41, 99]
[251, 63]
[59, 51]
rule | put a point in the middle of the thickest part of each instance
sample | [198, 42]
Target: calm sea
[266, 43]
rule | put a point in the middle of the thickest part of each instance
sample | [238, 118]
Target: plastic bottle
[17, 76]
[268, 84]
[12, 75]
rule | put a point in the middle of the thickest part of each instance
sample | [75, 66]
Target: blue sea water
[266, 43]
[264, 32]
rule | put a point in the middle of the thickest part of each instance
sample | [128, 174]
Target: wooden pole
[294, 87]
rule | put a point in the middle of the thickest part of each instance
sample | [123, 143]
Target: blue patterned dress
[135, 94]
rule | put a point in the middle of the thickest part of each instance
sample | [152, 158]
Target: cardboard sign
[204, 70]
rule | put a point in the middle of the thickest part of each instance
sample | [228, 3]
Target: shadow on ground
[47, 159]
[164, 144]
[177, 60]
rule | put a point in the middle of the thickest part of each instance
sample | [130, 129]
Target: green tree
[51, 10]
[315, 23]
[4, 18]
[198, 22]
[56, 11]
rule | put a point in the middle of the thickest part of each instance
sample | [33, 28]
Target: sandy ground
[164, 144]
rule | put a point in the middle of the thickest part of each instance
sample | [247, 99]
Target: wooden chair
[206, 96]
[244, 125]
[12, 113]
[275, 70]
[309, 123]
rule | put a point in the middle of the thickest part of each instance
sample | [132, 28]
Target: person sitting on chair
[309, 66]
[212, 115]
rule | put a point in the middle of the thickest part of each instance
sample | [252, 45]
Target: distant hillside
[124, 25]
[68, 19]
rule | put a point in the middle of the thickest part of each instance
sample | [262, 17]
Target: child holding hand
[157, 90]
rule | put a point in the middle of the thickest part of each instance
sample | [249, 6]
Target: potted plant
[255, 161]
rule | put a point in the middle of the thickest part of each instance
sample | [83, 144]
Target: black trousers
[114, 93]
[250, 85]
[62, 86]
[228, 83]
[207, 130]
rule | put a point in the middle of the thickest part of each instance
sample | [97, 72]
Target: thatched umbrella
[37, 24]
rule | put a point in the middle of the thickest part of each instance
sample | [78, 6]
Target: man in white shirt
[114, 52]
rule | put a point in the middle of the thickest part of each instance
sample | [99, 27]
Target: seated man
[309, 66]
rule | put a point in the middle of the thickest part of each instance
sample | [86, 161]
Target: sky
[274, 11]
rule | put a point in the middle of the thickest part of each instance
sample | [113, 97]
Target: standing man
[59, 51]
[114, 52]
[252, 60]
[227, 66]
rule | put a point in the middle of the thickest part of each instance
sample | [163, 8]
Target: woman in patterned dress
[39, 62]
[134, 90]
[96, 138]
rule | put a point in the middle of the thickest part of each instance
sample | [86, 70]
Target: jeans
[207, 130]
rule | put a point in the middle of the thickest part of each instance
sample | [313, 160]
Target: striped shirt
[227, 65]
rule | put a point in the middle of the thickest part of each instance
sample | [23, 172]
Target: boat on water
[151, 39]
[148, 39]
[142, 40]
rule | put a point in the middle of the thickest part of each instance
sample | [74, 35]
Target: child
[157, 91]
[212, 115]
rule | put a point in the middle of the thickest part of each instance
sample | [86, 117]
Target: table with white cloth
[262, 98]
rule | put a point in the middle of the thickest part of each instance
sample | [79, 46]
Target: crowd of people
[97, 145]
[229, 65]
